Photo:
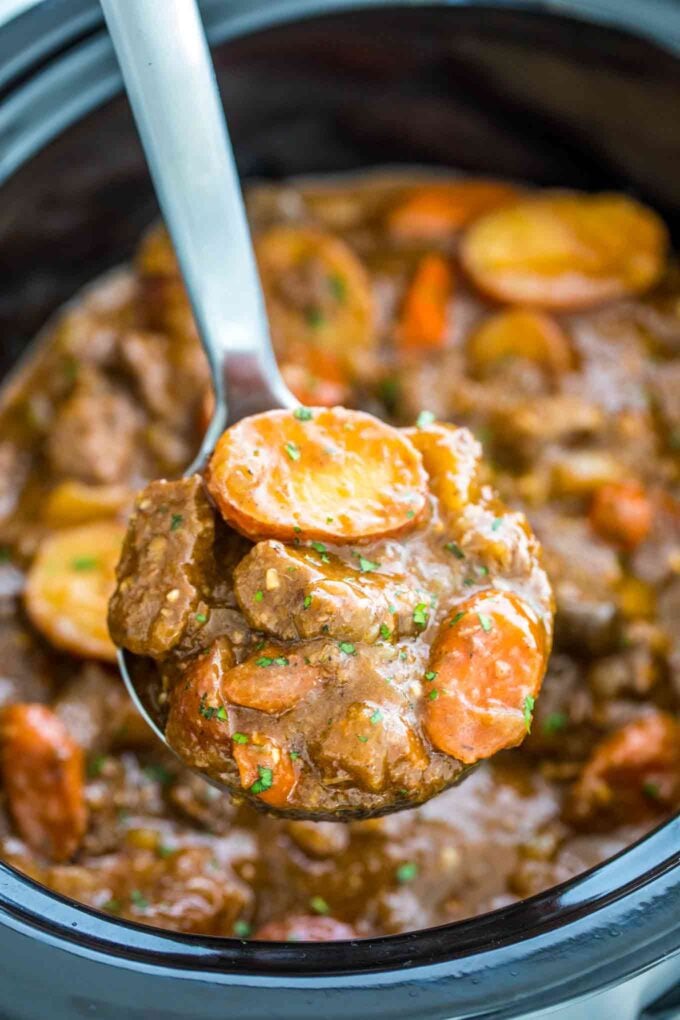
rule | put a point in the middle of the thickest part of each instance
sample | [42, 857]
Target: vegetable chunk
[425, 315]
[434, 212]
[520, 333]
[69, 585]
[331, 474]
[566, 250]
[43, 776]
[486, 664]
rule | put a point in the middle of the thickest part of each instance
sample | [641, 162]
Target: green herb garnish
[201, 618]
[265, 780]
[529, 703]
[554, 722]
[454, 548]
[307, 601]
[176, 521]
[485, 621]
[239, 738]
[366, 566]
[406, 872]
[430, 675]
[347, 647]
[319, 905]
[84, 563]
[421, 614]
[139, 899]
[242, 929]
[457, 618]
[433, 695]
[293, 450]
[385, 632]
[376, 717]
[302, 414]
[258, 596]
[424, 419]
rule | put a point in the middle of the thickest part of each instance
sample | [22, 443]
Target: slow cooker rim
[25, 902]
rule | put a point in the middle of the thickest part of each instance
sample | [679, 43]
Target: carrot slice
[565, 250]
[321, 473]
[317, 293]
[424, 318]
[621, 512]
[316, 376]
[452, 458]
[69, 586]
[273, 680]
[632, 774]
[435, 211]
[43, 777]
[488, 661]
[266, 770]
[520, 333]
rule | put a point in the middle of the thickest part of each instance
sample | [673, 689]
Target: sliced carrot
[622, 512]
[317, 293]
[435, 211]
[198, 726]
[424, 320]
[266, 770]
[488, 661]
[69, 586]
[316, 377]
[520, 333]
[43, 778]
[452, 458]
[273, 680]
[320, 473]
[632, 774]
[565, 250]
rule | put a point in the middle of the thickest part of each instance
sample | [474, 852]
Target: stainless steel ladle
[170, 81]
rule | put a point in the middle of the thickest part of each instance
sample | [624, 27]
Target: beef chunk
[166, 558]
[93, 435]
[302, 594]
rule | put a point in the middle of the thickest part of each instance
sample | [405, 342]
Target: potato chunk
[69, 585]
[566, 250]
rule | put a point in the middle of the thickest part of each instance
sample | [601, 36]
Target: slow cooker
[576, 92]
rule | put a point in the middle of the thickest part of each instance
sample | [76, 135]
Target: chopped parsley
[362, 738]
[454, 548]
[529, 703]
[554, 722]
[176, 521]
[497, 522]
[239, 738]
[366, 566]
[164, 851]
[433, 695]
[84, 563]
[457, 618]
[242, 929]
[421, 614]
[315, 317]
[406, 872]
[319, 905]
[424, 419]
[430, 675]
[95, 765]
[258, 596]
[265, 780]
[293, 755]
[385, 632]
[5, 554]
[485, 621]
[307, 601]
[293, 450]
[266, 660]
[139, 899]
[390, 393]
[482, 571]
[651, 790]
[113, 906]
[158, 773]
[376, 717]
[302, 414]
[201, 618]
[338, 288]
[410, 514]
[347, 647]
[211, 711]
[321, 549]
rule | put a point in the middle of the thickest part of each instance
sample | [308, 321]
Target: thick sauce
[576, 398]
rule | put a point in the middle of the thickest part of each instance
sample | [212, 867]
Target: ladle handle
[167, 69]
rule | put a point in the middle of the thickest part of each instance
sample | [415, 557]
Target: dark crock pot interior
[514, 93]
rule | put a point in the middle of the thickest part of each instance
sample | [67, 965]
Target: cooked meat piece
[96, 710]
[299, 593]
[372, 745]
[165, 560]
[92, 438]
